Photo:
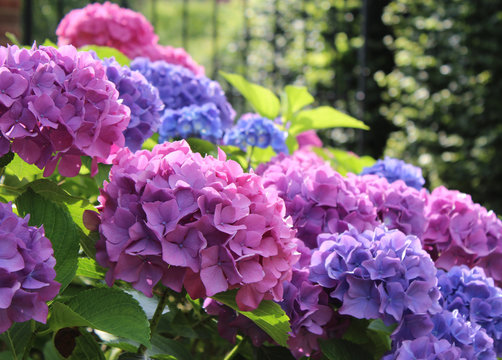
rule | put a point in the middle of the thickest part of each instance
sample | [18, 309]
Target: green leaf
[12, 38]
[51, 191]
[88, 268]
[21, 169]
[292, 143]
[47, 42]
[86, 348]
[322, 118]
[105, 309]
[59, 228]
[236, 154]
[62, 316]
[88, 242]
[268, 316]
[151, 142]
[107, 52]
[337, 349]
[18, 336]
[297, 97]
[260, 155]
[6, 159]
[203, 147]
[164, 346]
[343, 161]
[264, 101]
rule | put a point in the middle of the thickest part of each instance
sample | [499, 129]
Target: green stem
[230, 355]
[156, 318]
[249, 158]
[11, 345]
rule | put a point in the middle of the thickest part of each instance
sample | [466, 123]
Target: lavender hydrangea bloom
[26, 270]
[395, 169]
[376, 274]
[458, 231]
[475, 297]
[255, 130]
[318, 198]
[141, 97]
[192, 121]
[174, 217]
[425, 347]
[179, 87]
[398, 206]
[57, 105]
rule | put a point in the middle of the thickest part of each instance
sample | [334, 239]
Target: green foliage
[343, 161]
[322, 118]
[268, 316]
[107, 52]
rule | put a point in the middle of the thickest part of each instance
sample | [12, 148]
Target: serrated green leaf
[51, 191]
[264, 101]
[88, 242]
[269, 316]
[297, 97]
[323, 117]
[107, 52]
[108, 310]
[22, 170]
[89, 268]
[338, 349]
[62, 316]
[86, 348]
[165, 346]
[59, 228]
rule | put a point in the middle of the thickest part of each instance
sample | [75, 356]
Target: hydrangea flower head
[175, 56]
[381, 274]
[179, 88]
[475, 297]
[141, 97]
[318, 198]
[56, 105]
[395, 169]
[109, 25]
[172, 216]
[398, 206]
[255, 130]
[308, 138]
[458, 231]
[26, 270]
[192, 121]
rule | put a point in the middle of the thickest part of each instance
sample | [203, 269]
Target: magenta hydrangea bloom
[458, 231]
[57, 105]
[317, 197]
[381, 274]
[172, 216]
[308, 138]
[398, 206]
[107, 25]
[26, 270]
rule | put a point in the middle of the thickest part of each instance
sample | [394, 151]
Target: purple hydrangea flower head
[426, 348]
[458, 231]
[318, 198]
[56, 105]
[172, 216]
[398, 205]
[179, 87]
[376, 274]
[475, 297]
[395, 169]
[192, 121]
[255, 130]
[141, 97]
[26, 270]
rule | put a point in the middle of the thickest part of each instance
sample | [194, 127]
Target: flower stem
[249, 157]
[29, 345]
[156, 317]
[230, 355]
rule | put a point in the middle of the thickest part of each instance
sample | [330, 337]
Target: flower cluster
[475, 297]
[308, 138]
[175, 56]
[26, 270]
[56, 105]
[398, 205]
[458, 231]
[395, 169]
[444, 335]
[191, 121]
[376, 274]
[318, 198]
[171, 215]
[141, 97]
[107, 25]
[255, 130]
[179, 88]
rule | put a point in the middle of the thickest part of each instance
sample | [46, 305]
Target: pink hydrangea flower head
[175, 56]
[459, 231]
[109, 25]
[57, 104]
[317, 197]
[26, 270]
[398, 205]
[308, 138]
[173, 216]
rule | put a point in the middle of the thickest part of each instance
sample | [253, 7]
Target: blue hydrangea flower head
[192, 121]
[395, 169]
[255, 130]
[179, 87]
[141, 97]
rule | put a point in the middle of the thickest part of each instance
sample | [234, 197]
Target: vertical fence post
[215, 63]
[27, 19]
[154, 14]
[184, 24]
[361, 83]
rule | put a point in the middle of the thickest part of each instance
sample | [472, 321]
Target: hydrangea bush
[138, 221]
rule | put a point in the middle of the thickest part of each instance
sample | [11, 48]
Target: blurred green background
[426, 76]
